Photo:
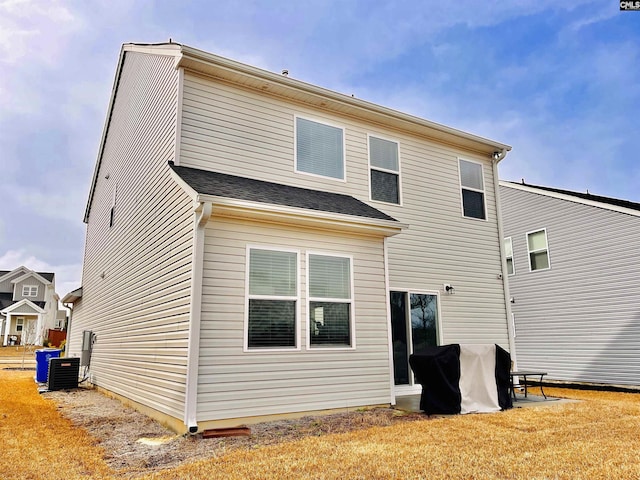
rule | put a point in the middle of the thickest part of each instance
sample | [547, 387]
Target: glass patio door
[414, 325]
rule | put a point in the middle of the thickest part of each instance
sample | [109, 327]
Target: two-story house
[260, 247]
[28, 306]
[574, 264]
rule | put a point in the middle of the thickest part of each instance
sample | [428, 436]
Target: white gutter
[202, 214]
[503, 259]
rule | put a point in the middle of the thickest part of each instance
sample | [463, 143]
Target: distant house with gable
[574, 279]
[28, 306]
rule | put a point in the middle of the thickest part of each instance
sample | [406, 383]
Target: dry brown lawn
[596, 438]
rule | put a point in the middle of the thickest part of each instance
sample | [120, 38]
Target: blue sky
[559, 81]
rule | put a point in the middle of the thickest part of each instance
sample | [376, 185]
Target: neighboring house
[28, 306]
[574, 260]
[258, 246]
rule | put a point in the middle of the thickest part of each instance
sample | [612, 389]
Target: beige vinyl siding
[243, 132]
[137, 274]
[579, 320]
[234, 383]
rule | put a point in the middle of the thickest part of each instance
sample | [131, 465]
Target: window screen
[272, 299]
[385, 178]
[319, 149]
[330, 301]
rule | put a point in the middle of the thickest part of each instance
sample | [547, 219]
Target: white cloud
[68, 277]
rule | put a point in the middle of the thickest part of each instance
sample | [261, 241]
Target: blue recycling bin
[42, 362]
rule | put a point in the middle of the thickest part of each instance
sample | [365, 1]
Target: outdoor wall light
[448, 288]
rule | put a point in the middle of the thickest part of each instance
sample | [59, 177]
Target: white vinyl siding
[472, 189]
[538, 250]
[234, 383]
[273, 299]
[319, 149]
[29, 290]
[223, 126]
[331, 309]
[137, 276]
[579, 320]
[508, 249]
[384, 162]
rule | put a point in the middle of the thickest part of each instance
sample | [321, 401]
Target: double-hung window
[29, 290]
[384, 170]
[538, 250]
[330, 288]
[272, 300]
[19, 324]
[508, 253]
[319, 149]
[472, 186]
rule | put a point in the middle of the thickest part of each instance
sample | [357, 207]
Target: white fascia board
[31, 274]
[314, 218]
[19, 304]
[188, 189]
[570, 198]
[73, 296]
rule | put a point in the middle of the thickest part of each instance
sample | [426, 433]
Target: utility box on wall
[88, 339]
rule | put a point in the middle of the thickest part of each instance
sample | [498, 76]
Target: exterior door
[414, 325]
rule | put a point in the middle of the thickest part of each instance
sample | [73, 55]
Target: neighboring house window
[19, 324]
[272, 301]
[385, 170]
[538, 250]
[508, 250]
[319, 149]
[29, 290]
[472, 186]
[330, 301]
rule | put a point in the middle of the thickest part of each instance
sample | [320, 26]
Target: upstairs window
[319, 149]
[508, 251]
[330, 301]
[272, 300]
[29, 290]
[384, 170]
[472, 186]
[538, 250]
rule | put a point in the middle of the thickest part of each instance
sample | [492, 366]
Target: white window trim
[529, 252]
[352, 315]
[484, 191]
[29, 289]
[295, 148]
[263, 350]
[513, 263]
[371, 167]
[20, 322]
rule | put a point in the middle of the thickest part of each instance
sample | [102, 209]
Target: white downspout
[392, 398]
[505, 273]
[202, 214]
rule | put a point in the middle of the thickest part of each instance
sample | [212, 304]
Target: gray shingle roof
[45, 275]
[230, 186]
[586, 196]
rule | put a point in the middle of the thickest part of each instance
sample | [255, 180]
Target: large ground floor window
[414, 326]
